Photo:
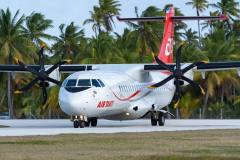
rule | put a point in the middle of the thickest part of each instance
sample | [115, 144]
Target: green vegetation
[196, 145]
[22, 36]
[3, 126]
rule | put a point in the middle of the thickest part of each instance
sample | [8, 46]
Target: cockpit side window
[102, 84]
[95, 83]
[64, 82]
[71, 83]
[84, 83]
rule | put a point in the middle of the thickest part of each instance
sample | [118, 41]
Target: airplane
[122, 91]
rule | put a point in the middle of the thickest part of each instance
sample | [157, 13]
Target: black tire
[93, 122]
[153, 121]
[81, 124]
[161, 119]
[87, 124]
[76, 124]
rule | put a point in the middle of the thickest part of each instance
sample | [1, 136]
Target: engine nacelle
[138, 109]
[54, 74]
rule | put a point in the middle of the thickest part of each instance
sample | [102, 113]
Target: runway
[55, 127]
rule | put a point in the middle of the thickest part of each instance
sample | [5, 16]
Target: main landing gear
[92, 122]
[157, 118]
[82, 121]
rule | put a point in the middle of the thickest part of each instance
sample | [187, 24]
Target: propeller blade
[28, 68]
[41, 58]
[192, 66]
[53, 80]
[178, 57]
[194, 84]
[162, 82]
[177, 93]
[176, 104]
[29, 85]
[55, 66]
[162, 64]
[44, 92]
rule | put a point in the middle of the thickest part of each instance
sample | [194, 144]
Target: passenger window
[84, 83]
[102, 84]
[95, 83]
[71, 83]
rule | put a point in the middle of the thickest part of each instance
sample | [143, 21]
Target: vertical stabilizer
[166, 50]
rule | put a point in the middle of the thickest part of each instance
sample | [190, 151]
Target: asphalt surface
[55, 127]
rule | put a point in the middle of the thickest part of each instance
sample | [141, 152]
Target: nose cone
[73, 103]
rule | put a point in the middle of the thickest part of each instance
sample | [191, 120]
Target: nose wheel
[79, 121]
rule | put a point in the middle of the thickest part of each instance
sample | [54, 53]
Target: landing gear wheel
[81, 123]
[76, 124]
[87, 124]
[161, 119]
[93, 122]
[153, 121]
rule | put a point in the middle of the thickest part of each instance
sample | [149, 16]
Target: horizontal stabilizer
[175, 18]
[183, 18]
[142, 19]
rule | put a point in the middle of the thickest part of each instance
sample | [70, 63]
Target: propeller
[178, 75]
[42, 75]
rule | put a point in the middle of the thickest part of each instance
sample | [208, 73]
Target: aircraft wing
[62, 68]
[212, 66]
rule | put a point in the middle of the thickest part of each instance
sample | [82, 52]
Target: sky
[66, 11]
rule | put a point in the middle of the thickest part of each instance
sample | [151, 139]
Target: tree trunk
[10, 96]
[205, 104]
[10, 90]
[2, 99]
[199, 31]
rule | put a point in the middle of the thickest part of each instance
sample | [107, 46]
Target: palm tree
[146, 36]
[211, 24]
[217, 48]
[68, 43]
[102, 49]
[36, 26]
[126, 47]
[229, 8]
[102, 15]
[13, 43]
[188, 105]
[200, 6]
[190, 37]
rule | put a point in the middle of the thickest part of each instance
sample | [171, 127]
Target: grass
[188, 145]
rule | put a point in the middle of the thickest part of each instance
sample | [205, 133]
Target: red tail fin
[166, 51]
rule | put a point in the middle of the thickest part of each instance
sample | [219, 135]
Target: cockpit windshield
[84, 83]
[74, 85]
[71, 83]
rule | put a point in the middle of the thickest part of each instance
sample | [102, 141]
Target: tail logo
[169, 47]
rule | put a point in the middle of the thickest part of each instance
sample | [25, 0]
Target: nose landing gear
[79, 121]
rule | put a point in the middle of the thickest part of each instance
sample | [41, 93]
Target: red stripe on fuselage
[128, 98]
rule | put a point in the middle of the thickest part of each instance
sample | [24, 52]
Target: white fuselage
[121, 94]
